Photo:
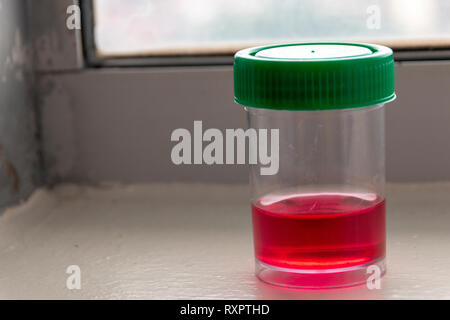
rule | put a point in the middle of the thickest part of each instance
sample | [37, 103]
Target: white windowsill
[194, 241]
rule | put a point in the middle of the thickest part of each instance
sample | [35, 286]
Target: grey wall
[19, 161]
[115, 124]
[56, 47]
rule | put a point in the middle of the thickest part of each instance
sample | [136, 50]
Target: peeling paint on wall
[19, 161]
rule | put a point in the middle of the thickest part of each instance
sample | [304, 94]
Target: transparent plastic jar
[319, 221]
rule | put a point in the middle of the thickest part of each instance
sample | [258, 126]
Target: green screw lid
[314, 76]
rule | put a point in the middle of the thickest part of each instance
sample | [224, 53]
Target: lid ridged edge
[314, 84]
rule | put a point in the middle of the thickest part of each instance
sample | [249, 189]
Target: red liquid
[319, 231]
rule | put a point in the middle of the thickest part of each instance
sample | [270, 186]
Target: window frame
[92, 59]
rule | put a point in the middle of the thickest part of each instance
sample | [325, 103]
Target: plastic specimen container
[319, 222]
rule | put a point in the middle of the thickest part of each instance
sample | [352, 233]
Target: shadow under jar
[319, 221]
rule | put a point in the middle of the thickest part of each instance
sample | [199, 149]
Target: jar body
[319, 221]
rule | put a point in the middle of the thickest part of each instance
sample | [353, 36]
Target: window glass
[179, 27]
